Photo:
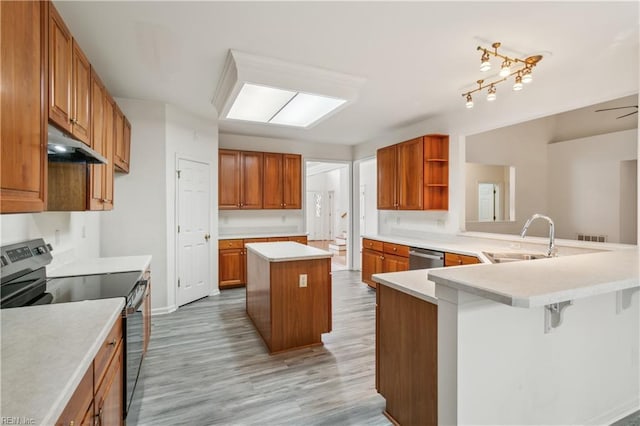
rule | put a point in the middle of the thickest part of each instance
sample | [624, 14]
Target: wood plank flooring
[206, 365]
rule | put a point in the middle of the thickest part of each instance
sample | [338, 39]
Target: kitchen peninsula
[548, 341]
[289, 293]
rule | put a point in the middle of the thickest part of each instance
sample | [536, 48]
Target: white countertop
[287, 251]
[101, 265]
[414, 283]
[46, 350]
[541, 282]
[261, 235]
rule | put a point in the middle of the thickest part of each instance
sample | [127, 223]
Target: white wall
[73, 235]
[368, 179]
[143, 219]
[585, 186]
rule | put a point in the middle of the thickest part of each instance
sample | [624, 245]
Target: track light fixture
[521, 68]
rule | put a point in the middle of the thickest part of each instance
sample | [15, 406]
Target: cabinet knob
[207, 237]
[285, 204]
[459, 261]
[395, 249]
[113, 342]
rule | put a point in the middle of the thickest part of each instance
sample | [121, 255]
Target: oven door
[133, 342]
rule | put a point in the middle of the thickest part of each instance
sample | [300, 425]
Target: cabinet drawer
[372, 244]
[454, 259]
[107, 350]
[397, 249]
[227, 244]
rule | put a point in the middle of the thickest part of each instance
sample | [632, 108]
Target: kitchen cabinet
[232, 258]
[240, 179]
[413, 175]
[407, 357]
[98, 399]
[69, 80]
[97, 172]
[122, 142]
[23, 67]
[379, 257]
[109, 147]
[454, 259]
[282, 181]
[231, 263]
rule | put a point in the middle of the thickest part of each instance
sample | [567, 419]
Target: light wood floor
[207, 365]
[338, 262]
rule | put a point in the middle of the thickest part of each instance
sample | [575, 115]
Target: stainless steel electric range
[24, 282]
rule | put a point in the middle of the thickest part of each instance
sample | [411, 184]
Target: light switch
[303, 280]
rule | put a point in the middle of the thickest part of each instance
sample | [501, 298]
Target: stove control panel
[32, 254]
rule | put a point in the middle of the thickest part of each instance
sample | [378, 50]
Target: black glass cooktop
[87, 287]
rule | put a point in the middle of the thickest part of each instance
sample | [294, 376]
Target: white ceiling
[417, 57]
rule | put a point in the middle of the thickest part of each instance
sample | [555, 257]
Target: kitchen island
[548, 341]
[289, 294]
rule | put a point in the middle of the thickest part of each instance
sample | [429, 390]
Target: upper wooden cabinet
[413, 175]
[122, 142]
[69, 81]
[257, 180]
[283, 178]
[23, 59]
[239, 179]
[100, 193]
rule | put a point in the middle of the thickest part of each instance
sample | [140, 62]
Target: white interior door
[194, 259]
[486, 202]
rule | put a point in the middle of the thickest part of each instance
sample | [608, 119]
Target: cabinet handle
[72, 423]
[113, 342]
[381, 257]
[207, 237]
[100, 417]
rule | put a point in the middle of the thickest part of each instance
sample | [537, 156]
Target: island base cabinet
[406, 357]
[79, 409]
[286, 315]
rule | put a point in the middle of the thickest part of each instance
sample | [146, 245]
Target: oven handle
[137, 302]
[426, 256]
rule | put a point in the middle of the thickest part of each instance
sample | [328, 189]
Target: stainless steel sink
[514, 257]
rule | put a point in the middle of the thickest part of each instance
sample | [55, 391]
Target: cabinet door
[409, 175]
[228, 179]
[118, 155]
[80, 95]
[60, 78]
[251, 180]
[109, 142]
[392, 263]
[273, 181]
[387, 182]
[371, 264]
[126, 142]
[292, 187]
[231, 267]
[109, 396]
[96, 171]
[23, 67]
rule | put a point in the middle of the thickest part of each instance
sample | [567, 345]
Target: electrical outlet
[303, 280]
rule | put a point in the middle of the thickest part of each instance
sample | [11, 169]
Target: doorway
[328, 195]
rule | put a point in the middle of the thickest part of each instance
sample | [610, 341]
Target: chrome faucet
[552, 245]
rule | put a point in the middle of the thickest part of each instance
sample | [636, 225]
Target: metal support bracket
[553, 315]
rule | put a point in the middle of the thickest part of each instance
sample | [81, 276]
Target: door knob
[207, 236]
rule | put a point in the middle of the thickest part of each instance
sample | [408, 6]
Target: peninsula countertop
[287, 251]
[46, 350]
[101, 265]
[541, 282]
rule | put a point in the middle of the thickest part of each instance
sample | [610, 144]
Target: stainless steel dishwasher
[425, 259]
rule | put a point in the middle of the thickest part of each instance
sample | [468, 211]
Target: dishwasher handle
[426, 256]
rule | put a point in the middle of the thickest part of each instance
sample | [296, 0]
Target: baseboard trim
[164, 310]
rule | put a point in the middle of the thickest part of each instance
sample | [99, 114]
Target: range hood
[62, 147]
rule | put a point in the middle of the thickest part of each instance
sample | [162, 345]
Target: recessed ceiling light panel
[258, 103]
[305, 109]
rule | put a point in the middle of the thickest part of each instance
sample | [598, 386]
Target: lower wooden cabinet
[454, 259]
[99, 398]
[407, 357]
[379, 257]
[232, 259]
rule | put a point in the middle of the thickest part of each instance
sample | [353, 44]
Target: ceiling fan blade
[631, 113]
[623, 107]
